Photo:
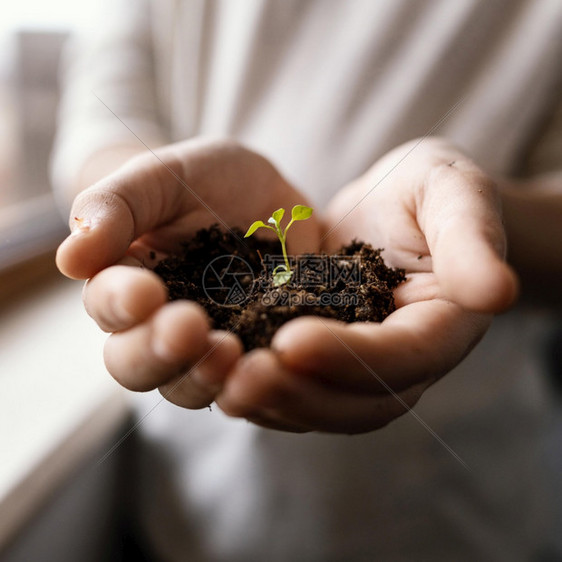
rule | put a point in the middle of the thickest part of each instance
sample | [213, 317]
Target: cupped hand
[437, 215]
[127, 222]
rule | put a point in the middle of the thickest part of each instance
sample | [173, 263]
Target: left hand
[437, 215]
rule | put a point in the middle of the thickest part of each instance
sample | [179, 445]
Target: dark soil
[231, 278]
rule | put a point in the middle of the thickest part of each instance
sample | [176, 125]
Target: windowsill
[57, 402]
[29, 229]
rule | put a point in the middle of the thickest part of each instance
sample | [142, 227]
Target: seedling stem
[282, 273]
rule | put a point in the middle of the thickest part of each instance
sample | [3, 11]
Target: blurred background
[59, 410]
[32, 34]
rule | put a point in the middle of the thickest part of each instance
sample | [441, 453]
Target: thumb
[470, 270]
[462, 221]
[109, 215]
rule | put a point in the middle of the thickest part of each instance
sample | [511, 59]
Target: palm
[438, 221]
[157, 201]
[384, 217]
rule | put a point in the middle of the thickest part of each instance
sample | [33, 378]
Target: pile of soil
[228, 275]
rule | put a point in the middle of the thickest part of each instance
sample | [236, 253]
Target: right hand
[152, 204]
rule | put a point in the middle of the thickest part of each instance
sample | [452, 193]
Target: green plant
[282, 273]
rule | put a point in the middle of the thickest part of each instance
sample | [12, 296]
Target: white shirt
[323, 88]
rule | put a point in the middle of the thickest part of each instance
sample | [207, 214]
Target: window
[32, 34]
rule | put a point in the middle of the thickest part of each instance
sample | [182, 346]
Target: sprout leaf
[301, 212]
[281, 277]
[278, 215]
[254, 226]
[281, 274]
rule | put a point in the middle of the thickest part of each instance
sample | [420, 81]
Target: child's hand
[437, 215]
[138, 215]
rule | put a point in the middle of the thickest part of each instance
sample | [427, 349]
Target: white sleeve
[108, 90]
[545, 154]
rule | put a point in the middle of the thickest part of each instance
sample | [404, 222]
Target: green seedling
[282, 273]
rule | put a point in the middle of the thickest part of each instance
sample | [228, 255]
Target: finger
[108, 216]
[461, 218]
[170, 342]
[269, 422]
[120, 297]
[330, 411]
[418, 342]
[262, 389]
[419, 286]
[198, 387]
